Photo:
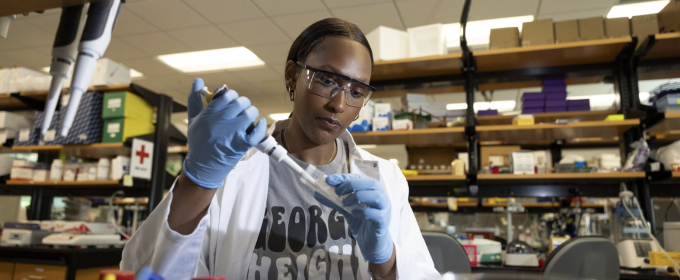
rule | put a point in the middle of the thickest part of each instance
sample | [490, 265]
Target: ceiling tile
[24, 33]
[293, 25]
[424, 12]
[574, 15]
[278, 8]
[29, 58]
[254, 33]
[203, 38]
[225, 11]
[155, 43]
[46, 50]
[8, 62]
[501, 9]
[7, 44]
[214, 80]
[271, 88]
[154, 84]
[561, 7]
[128, 23]
[174, 14]
[365, 16]
[119, 51]
[350, 3]
[272, 54]
[150, 67]
[47, 23]
[257, 75]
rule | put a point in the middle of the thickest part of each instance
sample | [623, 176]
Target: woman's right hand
[217, 135]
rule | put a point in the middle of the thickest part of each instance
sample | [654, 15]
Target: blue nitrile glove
[217, 135]
[370, 224]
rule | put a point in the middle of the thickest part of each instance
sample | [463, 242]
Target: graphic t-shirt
[301, 238]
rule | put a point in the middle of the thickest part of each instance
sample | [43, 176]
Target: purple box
[556, 103]
[487, 113]
[554, 89]
[533, 104]
[555, 109]
[532, 110]
[533, 96]
[556, 96]
[554, 82]
[578, 109]
[578, 103]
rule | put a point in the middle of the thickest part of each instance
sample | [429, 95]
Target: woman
[234, 212]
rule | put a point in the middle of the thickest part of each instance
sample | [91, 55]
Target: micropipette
[101, 18]
[312, 177]
[64, 54]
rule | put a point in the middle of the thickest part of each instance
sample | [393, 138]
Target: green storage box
[126, 105]
[119, 130]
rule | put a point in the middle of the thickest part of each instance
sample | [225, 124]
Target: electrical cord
[676, 266]
[112, 218]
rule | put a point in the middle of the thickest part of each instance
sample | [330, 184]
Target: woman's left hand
[370, 224]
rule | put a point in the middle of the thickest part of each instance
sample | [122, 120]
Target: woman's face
[323, 119]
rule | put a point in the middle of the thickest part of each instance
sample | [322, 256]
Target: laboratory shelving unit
[614, 60]
[42, 193]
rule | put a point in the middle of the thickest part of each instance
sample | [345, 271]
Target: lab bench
[495, 269]
[56, 263]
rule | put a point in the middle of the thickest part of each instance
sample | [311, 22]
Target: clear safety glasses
[328, 84]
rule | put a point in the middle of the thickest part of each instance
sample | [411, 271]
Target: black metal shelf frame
[42, 195]
[624, 75]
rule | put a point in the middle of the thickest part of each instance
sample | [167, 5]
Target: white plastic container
[56, 170]
[426, 40]
[103, 169]
[23, 79]
[388, 43]
[402, 125]
[107, 73]
[383, 110]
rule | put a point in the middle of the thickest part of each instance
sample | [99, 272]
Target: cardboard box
[119, 130]
[382, 110]
[533, 96]
[669, 17]
[502, 38]
[126, 105]
[539, 32]
[381, 124]
[555, 109]
[388, 43]
[487, 113]
[51, 136]
[643, 26]
[14, 121]
[402, 125]
[487, 151]
[556, 103]
[556, 96]
[617, 27]
[426, 40]
[566, 31]
[578, 103]
[591, 28]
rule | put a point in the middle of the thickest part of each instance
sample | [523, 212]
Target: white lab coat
[222, 244]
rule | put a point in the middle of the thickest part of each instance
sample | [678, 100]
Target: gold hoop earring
[291, 94]
[356, 117]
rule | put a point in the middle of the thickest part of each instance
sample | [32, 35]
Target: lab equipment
[22, 237]
[4, 24]
[584, 257]
[671, 236]
[217, 136]
[519, 253]
[447, 253]
[64, 53]
[488, 251]
[101, 17]
[312, 177]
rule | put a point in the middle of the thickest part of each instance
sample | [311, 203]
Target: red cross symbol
[141, 154]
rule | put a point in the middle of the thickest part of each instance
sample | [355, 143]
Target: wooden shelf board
[669, 125]
[564, 54]
[667, 45]
[417, 67]
[96, 150]
[422, 178]
[563, 176]
[490, 205]
[416, 137]
[178, 150]
[75, 183]
[587, 129]
[536, 83]
[548, 117]
[403, 92]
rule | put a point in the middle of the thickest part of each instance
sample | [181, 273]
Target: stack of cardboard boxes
[126, 115]
[553, 98]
